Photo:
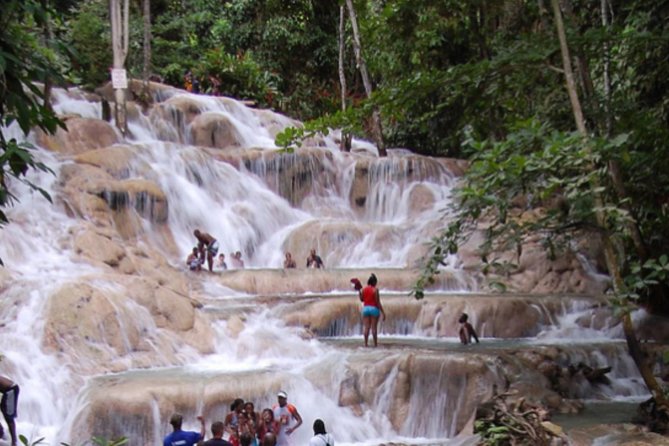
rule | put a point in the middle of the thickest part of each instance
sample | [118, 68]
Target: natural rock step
[393, 380]
[513, 316]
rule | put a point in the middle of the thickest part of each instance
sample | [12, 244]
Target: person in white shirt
[321, 437]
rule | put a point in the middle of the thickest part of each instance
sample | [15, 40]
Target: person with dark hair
[267, 423]
[194, 261]
[8, 405]
[314, 261]
[232, 420]
[217, 429]
[269, 439]
[205, 241]
[321, 437]
[245, 439]
[466, 330]
[183, 438]
[372, 309]
[289, 262]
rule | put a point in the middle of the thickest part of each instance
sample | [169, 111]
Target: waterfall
[108, 334]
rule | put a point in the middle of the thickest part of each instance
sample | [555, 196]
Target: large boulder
[91, 191]
[82, 134]
[213, 129]
[118, 161]
[112, 322]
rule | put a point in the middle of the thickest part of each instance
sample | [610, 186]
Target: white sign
[119, 78]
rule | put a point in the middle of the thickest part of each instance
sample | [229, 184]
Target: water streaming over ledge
[356, 210]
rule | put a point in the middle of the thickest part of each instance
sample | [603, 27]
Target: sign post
[119, 78]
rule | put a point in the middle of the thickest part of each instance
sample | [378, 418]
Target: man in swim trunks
[8, 406]
[205, 240]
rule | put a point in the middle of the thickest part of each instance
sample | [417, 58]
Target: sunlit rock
[97, 247]
[113, 323]
[297, 281]
[212, 129]
[118, 160]
[85, 185]
[82, 134]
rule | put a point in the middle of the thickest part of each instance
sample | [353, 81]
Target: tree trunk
[610, 254]
[48, 37]
[377, 131]
[146, 72]
[119, 24]
[345, 143]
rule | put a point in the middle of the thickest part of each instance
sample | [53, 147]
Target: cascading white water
[237, 196]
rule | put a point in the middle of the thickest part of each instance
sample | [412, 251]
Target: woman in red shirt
[372, 308]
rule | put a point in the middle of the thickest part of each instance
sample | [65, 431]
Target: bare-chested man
[206, 241]
[8, 404]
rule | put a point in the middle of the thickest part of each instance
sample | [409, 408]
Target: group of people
[205, 251]
[313, 261]
[207, 248]
[243, 426]
[372, 310]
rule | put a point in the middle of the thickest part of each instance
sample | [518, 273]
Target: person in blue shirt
[183, 438]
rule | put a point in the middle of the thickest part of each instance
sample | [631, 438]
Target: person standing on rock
[467, 332]
[8, 406]
[321, 437]
[371, 310]
[206, 241]
[183, 438]
[286, 413]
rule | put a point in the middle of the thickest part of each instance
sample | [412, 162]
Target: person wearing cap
[183, 438]
[288, 416]
[321, 437]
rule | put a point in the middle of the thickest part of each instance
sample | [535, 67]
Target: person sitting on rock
[240, 262]
[193, 261]
[314, 261]
[466, 330]
[289, 262]
[221, 262]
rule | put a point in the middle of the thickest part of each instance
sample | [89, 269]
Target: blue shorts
[368, 310]
[9, 402]
[213, 247]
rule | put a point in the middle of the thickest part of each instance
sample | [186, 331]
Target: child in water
[466, 330]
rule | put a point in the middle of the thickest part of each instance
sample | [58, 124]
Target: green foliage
[101, 441]
[89, 34]
[25, 442]
[492, 434]
[238, 76]
[23, 61]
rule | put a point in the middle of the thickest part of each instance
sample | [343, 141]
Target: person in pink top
[372, 309]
